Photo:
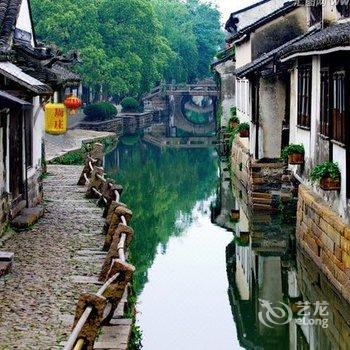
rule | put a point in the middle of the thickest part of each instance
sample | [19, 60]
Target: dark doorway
[16, 156]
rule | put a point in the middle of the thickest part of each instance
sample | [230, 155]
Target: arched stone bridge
[188, 108]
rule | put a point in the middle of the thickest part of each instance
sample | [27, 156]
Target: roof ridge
[249, 7]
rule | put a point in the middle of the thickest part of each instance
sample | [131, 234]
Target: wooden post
[95, 182]
[113, 249]
[115, 220]
[93, 323]
[97, 153]
[115, 291]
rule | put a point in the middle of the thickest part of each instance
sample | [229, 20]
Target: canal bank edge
[326, 238]
[269, 184]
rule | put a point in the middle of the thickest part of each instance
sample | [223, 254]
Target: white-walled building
[29, 75]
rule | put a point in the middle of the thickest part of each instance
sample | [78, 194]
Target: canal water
[207, 280]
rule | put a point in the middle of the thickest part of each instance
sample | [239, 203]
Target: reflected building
[264, 264]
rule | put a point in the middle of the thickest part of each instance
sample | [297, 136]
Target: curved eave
[315, 52]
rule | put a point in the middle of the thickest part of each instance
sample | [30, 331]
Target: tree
[206, 28]
[128, 46]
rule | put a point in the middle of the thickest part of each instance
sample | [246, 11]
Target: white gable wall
[24, 21]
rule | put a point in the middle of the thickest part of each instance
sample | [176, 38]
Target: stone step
[6, 256]
[261, 195]
[257, 200]
[28, 217]
[262, 206]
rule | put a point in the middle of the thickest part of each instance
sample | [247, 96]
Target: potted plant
[294, 154]
[328, 174]
[243, 129]
[234, 121]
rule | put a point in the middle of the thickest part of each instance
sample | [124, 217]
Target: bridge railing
[191, 87]
[96, 310]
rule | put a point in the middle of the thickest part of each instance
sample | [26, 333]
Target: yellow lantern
[55, 118]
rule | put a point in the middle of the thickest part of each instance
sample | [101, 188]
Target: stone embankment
[326, 238]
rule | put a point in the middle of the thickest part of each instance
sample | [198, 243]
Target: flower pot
[295, 158]
[234, 215]
[329, 184]
[244, 133]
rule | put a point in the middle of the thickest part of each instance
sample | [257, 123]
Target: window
[325, 96]
[28, 134]
[242, 86]
[315, 14]
[304, 95]
[338, 111]
[343, 8]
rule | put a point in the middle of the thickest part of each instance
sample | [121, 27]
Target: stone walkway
[39, 297]
[57, 145]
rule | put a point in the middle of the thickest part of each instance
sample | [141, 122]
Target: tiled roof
[64, 75]
[288, 7]
[9, 10]
[337, 35]
[16, 74]
[270, 56]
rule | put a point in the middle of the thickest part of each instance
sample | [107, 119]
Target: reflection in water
[198, 109]
[182, 270]
[160, 186]
[263, 266]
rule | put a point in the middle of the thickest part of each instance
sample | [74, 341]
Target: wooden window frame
[339, 107]
[343, 9]
[28, 137]
[325, 104]
[304, 96]
[315, 14]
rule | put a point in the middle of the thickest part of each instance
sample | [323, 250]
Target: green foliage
[130, 140]
[242, 127]
[78, 157]
[225, 53]
[291, 149]
[233, 112]
[156, 182]
[325, 169]
[219, 113]
[130, 104]
[100, 111]
[129, 46]
[234, 119]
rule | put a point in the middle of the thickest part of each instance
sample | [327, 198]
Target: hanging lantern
[55, 118]
[72, 103]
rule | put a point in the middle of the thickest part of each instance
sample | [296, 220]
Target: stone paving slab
[37, 296]
[57, 145]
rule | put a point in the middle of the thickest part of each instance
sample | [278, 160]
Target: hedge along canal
[180, 280]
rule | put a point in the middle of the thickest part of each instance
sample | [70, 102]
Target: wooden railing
[96, 310]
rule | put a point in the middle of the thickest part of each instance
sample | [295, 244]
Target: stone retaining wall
[113, 125]
[268, 183]
[240, 162]
[326, 238]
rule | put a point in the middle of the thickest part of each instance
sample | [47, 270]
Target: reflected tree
[161, 187]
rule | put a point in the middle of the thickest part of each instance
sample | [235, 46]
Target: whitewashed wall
[24, 20]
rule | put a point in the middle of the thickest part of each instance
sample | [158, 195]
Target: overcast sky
[228, 6]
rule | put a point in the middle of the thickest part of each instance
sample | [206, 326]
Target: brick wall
[326, 239]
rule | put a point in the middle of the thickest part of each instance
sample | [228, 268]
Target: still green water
[202, 285]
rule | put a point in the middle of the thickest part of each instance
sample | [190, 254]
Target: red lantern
[72, 103]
